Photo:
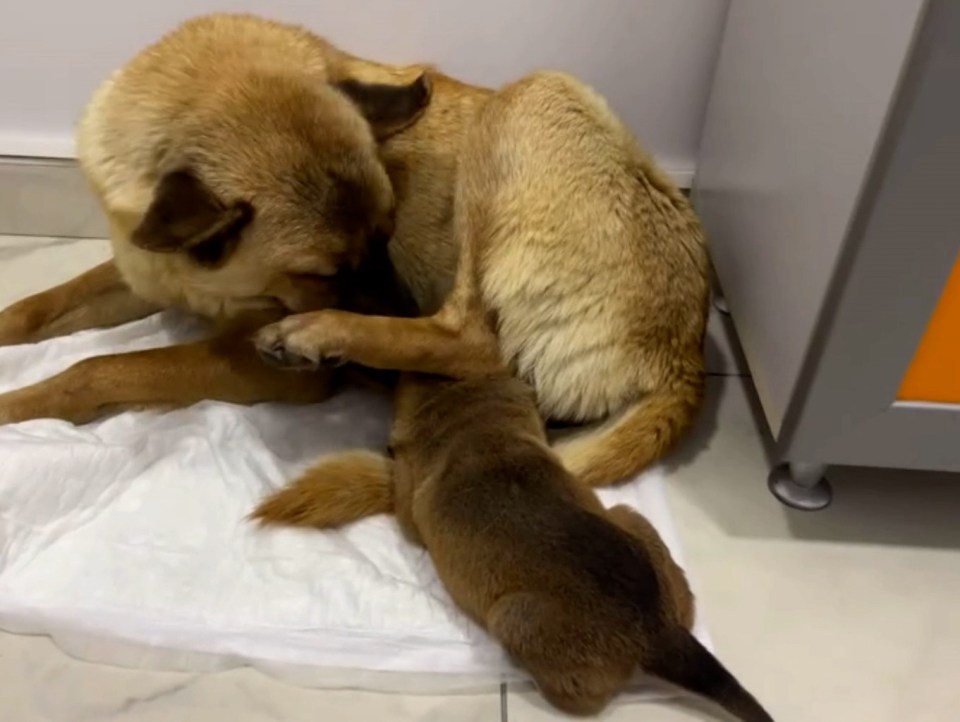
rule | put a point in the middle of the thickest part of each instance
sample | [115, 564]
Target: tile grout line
[503, 702]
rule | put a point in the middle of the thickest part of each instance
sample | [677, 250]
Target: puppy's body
[580, 596]
[530, 227]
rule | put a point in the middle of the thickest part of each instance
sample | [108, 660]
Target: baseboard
[50, 197]
[47, 197]
[683, 177]
[58, 146]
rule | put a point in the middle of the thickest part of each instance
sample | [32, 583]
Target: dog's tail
[681, 660]
[638, 436]
[336, 491]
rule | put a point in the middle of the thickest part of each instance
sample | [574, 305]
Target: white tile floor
[847, 615]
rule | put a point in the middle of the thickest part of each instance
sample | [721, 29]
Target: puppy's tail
[638, 436]
[336, 491]
[681, 660]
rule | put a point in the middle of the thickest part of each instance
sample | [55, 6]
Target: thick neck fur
[422, 164]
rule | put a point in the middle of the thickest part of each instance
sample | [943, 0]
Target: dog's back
[594, 265]
[581, 596]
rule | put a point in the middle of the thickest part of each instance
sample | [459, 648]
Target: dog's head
[275, 188]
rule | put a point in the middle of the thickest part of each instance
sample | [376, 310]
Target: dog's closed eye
[322, 277]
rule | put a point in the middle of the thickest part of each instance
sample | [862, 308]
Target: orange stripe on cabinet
[934, 374]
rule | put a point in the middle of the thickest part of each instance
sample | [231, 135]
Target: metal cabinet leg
[801, 486]
[720, 303]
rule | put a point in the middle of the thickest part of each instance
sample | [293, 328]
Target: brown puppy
[583, 268]
[237, 162]
[579, 595]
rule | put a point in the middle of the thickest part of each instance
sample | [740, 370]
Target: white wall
[652, 58]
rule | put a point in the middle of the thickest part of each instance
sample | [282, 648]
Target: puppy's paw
[302, 342]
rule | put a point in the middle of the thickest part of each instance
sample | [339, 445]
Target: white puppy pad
[126, 541]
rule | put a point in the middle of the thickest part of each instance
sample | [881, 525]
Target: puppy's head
[274, 187]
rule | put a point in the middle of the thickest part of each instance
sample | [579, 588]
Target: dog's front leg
[225, 368]
[445, 344]
[93, 299]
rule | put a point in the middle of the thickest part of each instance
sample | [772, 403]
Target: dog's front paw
[302, 342]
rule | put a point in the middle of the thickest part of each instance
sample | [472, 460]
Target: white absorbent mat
[126, 541]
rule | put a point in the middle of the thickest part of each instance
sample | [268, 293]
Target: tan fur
[106, 301]
[247, 104]
[286, 169]
[579, 595]
[581, 267]
[335, 491]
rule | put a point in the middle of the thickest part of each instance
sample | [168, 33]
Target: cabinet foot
[720, 303]
[801, 486]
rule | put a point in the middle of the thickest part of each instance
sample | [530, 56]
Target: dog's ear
[388, 108]
[186, 215]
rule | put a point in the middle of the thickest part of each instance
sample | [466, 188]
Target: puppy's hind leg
[668, 571]
[549, 642]
[404, 489]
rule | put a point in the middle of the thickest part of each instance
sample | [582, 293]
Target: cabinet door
[892, 272]
[800, 96]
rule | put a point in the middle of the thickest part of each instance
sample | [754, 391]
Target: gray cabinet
[829, 185]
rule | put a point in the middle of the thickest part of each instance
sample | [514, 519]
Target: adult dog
[530, 227]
